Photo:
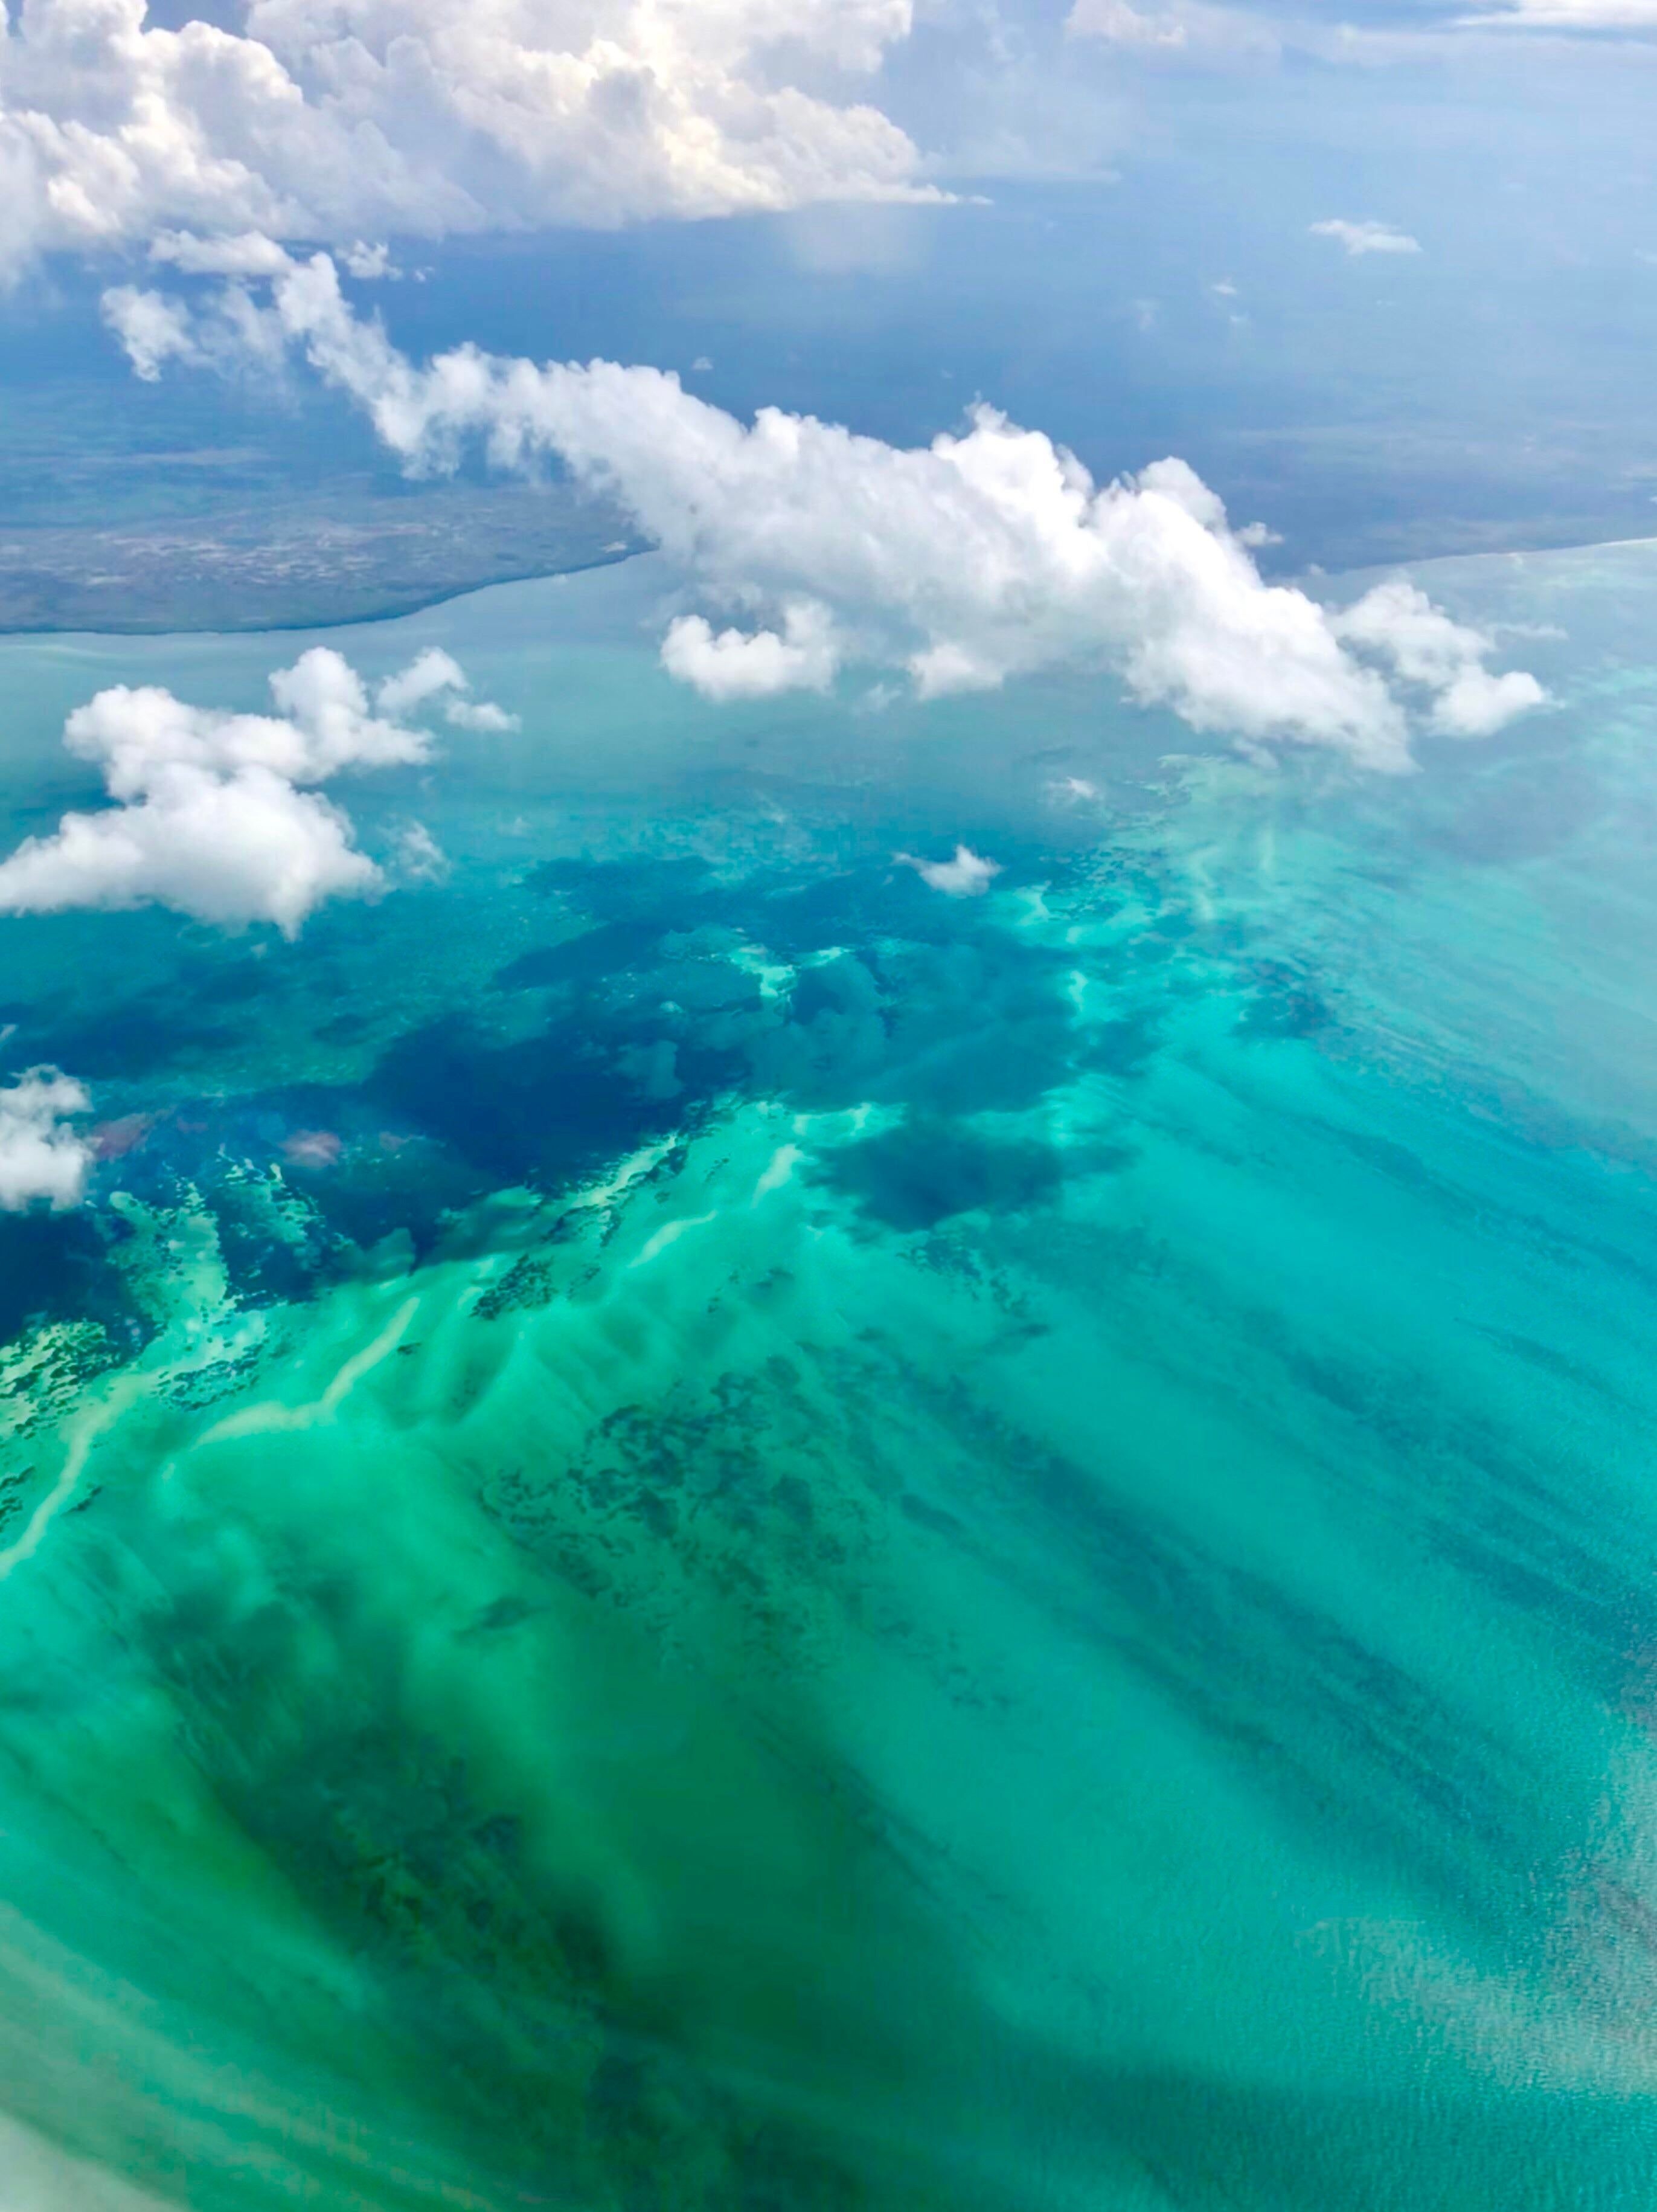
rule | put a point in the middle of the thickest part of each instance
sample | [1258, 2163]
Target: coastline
[297, 562]
[397, 610]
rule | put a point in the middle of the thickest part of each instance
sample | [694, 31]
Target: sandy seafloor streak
[690, 1528]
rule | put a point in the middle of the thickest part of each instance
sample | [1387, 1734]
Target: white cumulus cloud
[228, 849]
[369, 265]
[152, 329]
[980, 556]
[968, 875]
[435, 677]
[734, 664]
[211, 816]
[42, 1157]
[245, 253]
[342, 120]
[1397, 624]
[1366, 237]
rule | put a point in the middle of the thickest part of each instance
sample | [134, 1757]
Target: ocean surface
[691, 1529]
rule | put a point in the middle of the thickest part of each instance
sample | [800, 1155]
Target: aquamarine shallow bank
[691, 1528]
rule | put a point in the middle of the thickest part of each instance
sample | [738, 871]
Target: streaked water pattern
[693, 1528]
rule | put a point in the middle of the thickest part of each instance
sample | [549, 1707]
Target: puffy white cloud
[480, 715]
[152, 329]
[734, 664]
[429, 675]
[968, 875]
[1399, 624]
[248, 253]
[233, 334]
[325, 725]
[1366, 237]
[342, 120]
[433, 676]
[975, 558]
[369, 265]
[227, 849]
[418, 857]
[41, 1154]
[210, 817]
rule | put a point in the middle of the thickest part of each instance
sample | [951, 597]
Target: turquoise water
[690, 1528]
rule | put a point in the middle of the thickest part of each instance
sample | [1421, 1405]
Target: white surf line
[84, 1433]
[272, 1416]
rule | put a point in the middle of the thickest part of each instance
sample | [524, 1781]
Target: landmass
[309, 560]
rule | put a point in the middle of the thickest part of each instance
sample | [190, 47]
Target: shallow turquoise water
[850, 1549]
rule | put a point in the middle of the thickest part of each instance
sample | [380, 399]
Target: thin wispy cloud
[1627, 16]
[1369, 237]
[1120, 24]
